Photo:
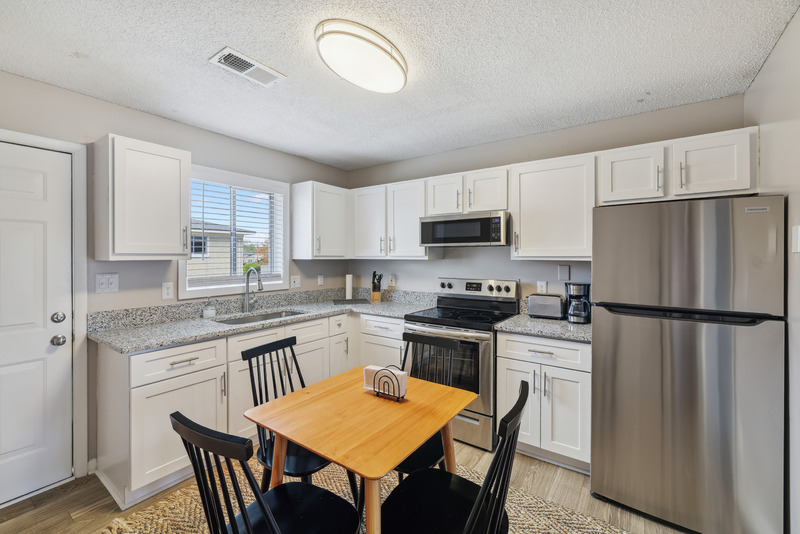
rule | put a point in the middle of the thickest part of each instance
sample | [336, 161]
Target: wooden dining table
[369, 435]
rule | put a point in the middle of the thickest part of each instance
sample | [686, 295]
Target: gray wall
[772, 103]
[40, 109]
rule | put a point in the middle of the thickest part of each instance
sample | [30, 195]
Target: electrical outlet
[392, 280]
[320, 279]
[541, 287]
[167, 291]
[106, 283]
[295, 281]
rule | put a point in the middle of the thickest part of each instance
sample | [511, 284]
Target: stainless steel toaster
[547, 306]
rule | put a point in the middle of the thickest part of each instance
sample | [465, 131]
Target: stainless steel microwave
[482, 228]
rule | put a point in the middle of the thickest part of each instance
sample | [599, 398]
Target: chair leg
[265, 476]
[399, 477]
[306, 479]
[442, 466]
[351, 477]
[361, 500]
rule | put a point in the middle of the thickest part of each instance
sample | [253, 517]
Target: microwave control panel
[496, 229]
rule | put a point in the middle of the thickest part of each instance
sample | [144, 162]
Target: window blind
[234, 228]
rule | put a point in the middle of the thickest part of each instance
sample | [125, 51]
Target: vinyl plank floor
[84, 506]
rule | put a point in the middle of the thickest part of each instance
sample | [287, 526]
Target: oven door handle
[452, 334]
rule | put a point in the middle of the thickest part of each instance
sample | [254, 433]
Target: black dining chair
[437, 502]
[274, 373]
[290, 508]
[428, 358]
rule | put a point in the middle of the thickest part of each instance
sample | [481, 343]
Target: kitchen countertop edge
[549, 328]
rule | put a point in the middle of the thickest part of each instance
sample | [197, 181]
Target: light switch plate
[295, 281]
[795, 239]
[106, 283]
[392, 280]
[320, 279]
[541, 287]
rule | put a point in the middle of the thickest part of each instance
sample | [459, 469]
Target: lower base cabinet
[557, 417]
[381, 341]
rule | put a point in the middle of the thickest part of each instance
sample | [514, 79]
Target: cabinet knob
[58, 340]
[58, 317]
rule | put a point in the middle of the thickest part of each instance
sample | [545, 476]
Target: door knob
[58, 317]
[58, 340]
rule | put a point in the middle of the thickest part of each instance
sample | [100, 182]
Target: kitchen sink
[260, 317]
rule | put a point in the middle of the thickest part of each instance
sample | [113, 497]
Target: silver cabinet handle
[185, 360]
[379, 327]
[347, 346]
[224, 386]
[545, 352]
[534, 382]
[185, 237]
[58, 317]
[58, 340]
[319, 244]
[682, 180]
[458, 199]
[516, 242]
[470, 197]
[658, 177]
[545, 385]
[390, 243]
[381, 245]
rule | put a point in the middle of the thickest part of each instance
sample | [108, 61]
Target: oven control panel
[479, 287]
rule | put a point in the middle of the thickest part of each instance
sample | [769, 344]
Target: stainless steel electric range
[467, 310]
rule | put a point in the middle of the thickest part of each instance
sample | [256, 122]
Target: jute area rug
[181, 512]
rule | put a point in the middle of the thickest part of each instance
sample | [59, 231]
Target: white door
[330, 230]
[370, 221]
[487, 190]
[35, 284]
[405, 205]
[444, 194]
[712, 163]
[631, 174]
[340, 354]
[509, 375]
[566, 418]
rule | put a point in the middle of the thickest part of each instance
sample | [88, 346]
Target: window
[238, 222]
[199, 246]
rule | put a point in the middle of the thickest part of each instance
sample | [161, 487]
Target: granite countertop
[550, 328]
[133, 340]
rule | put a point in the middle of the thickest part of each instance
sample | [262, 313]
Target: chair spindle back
[431, 357]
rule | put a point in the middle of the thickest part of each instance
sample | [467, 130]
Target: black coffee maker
[579, 309]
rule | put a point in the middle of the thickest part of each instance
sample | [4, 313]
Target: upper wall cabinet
[386, 220]
[141, 200]
[319, 221]
[551, 208]
[483, 190]
[718, 163]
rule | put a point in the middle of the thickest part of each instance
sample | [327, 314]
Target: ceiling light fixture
[361, 56]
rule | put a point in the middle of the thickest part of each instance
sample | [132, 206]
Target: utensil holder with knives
[376, 287]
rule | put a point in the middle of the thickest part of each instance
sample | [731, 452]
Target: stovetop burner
[472, 304]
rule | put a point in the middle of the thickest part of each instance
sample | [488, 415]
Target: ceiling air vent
[231, 60]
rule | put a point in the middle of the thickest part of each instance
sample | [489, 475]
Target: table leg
[449, 448]
[372, 491]
[278, 459]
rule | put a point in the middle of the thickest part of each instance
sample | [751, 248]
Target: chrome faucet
[247, 301]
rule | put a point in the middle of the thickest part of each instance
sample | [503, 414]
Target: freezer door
[688, 421]
[724, 254]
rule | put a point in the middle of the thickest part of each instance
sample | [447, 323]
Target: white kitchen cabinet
[138, 453]
[405, 204]
[369, 222]
[714, 163]
[557, 417]
[551, 208]
[240, 393]
[445, 194]
[340, 354]
[631, 173]
[481, 190]
[314, 361]
[487, 190]
[381, 340]
[307, 331]
[319, 221]
[141, 200]
[156, 451]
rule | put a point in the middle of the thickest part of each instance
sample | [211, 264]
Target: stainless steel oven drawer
[475, 429]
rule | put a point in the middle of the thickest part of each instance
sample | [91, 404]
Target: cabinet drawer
[160, 365]
[337, 325]
[553, 352]
[308, 330]
[382, 326]
[238, 343]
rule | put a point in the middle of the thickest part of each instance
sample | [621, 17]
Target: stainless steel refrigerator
[688, 361]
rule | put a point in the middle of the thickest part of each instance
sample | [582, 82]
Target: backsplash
[133, 317]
